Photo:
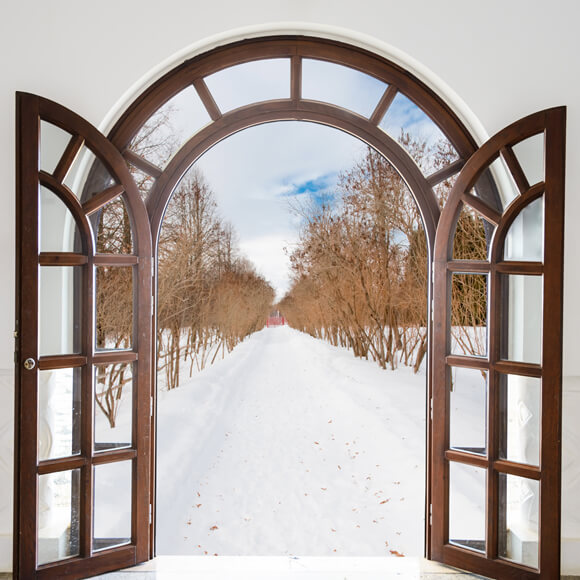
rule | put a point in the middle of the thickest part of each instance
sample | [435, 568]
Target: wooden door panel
[496, 509]
[65, 342]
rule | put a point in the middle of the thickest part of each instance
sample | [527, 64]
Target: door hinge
[151, 406]
[150, 513]
[430, 514]
[432, 308]
[431, 408]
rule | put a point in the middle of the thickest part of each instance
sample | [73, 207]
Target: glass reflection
[250, 82]
[522, 311]
[521, 418]
[467, 506]
[340, 85]
[59, 413]
[59, 310]
[58, 228]
[53, 142]
[113, 406]
[469, 314]
[58, 516]
[408, 124]
[88, 176]
[524, 240]
[472, 236]
[167, 130]
[519, 521]
[468, 410]
[112, 504]
[530, 154]
[114, 306]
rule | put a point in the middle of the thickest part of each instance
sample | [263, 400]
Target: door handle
[29, 364]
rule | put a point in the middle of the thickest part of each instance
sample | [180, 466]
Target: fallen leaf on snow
[197, 505]
[398, 554]
[385, 501]
[214, 528]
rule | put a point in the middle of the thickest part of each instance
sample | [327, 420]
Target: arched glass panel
[87, 175]
[53, 142]
[58, 228]
[114, 234]
[418, 134]
[530, 154]
[250, 82]
[170, 127]
[524, 240]
[472, 236]
[341, 85]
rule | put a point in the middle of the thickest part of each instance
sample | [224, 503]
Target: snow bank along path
[290, 446]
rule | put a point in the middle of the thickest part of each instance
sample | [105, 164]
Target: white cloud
[254, 174]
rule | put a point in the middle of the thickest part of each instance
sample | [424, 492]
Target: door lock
[29, 364]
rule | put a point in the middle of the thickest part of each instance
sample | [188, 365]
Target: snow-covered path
[290, 446]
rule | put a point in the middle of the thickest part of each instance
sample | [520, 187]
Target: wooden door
[83, 356]
[497, 356]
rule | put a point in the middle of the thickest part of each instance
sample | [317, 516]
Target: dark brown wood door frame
[550, 123]
[297, 108]
[31, 110]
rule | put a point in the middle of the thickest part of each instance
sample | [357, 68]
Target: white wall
[496, 61]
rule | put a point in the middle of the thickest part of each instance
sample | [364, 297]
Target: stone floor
[280, 568]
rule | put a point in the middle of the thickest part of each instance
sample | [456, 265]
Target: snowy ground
[290, 446]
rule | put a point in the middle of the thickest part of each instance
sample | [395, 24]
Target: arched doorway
[500, 275]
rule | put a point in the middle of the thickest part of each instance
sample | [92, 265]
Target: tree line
[360, 266]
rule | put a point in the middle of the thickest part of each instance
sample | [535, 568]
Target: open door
[497, 356]
[83, 356]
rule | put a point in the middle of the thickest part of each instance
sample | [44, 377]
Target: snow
[290, 446]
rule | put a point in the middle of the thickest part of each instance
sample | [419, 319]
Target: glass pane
[59, 413]
[114, 303]
[520, 412]
[53, 142]
[250, 82]
[518, 519]
[114, 229]
[525, 237]
[469, 314]
[468, 410]
[143, 180]
[521, 318]
[530, 154]
[341, 85]
[59, 310]
[58, 516]
[496, 186]
[113, 406]
[112, 504]
[170, 127]
[418, 134]
[58, 228]
[88, 176]
[467, 506]
[472, 236]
